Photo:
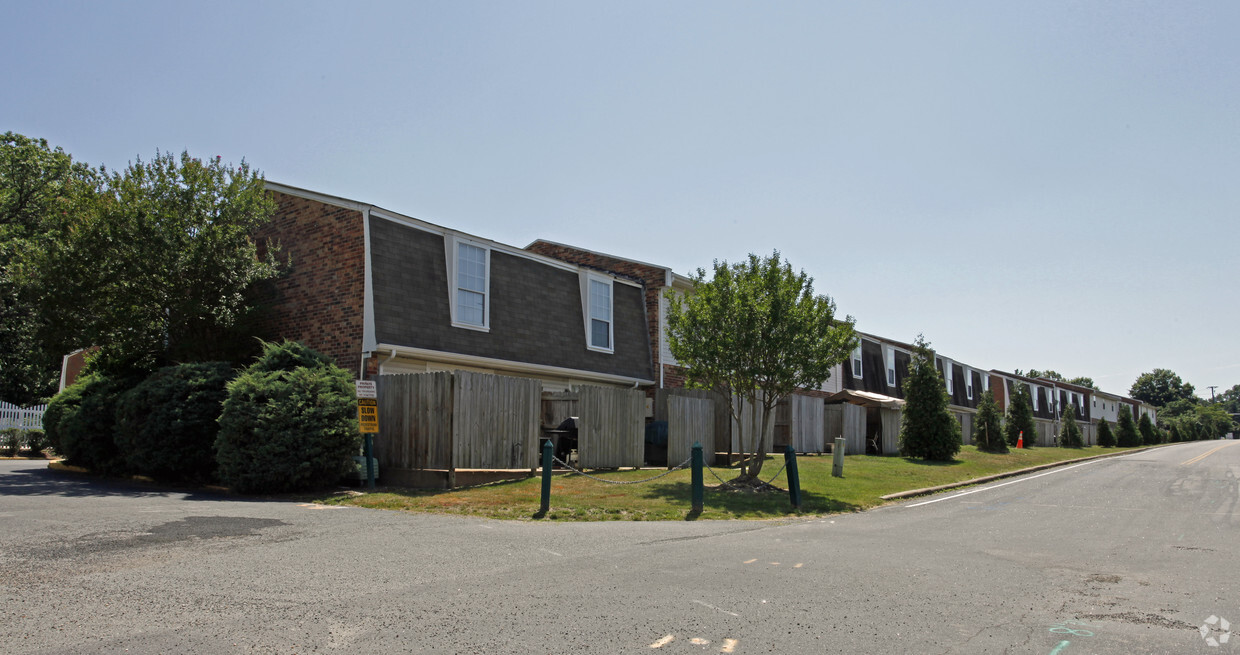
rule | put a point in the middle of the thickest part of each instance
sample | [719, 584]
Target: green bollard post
[794, 478]
[545, 505]
[370, 463]
[698, 487]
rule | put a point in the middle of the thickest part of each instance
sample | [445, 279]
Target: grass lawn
[577, 498]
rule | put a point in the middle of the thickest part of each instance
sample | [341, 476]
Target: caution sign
[368, 415]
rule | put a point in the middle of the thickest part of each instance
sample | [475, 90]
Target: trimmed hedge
[289, 423]
[167, 425]
[85, 426]
[36, 441]
[10, 442]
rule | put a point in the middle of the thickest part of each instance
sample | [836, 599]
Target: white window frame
[890, 359]
[947, 377]
[968, 383]
[453, 247]
[587, 311]
[858, 367]
[1033, 393]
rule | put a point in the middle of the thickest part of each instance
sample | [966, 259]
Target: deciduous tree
[1070, 434]
[756, 331]
[1159, 387]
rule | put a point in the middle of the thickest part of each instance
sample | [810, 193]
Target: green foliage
[988, 425]
[59, 409]
[756, 330]
[167, 425]
[159, 266]
[1070, 434]
[1106, 438]
[1173, 432]
[1149, 436]
[36, 441]
[1126, 429]
[86, 431]
[1019, 419]
[1161, 386]
[10, 442]
[287, 429]
[36, 184]
[927, 428]
[1214, 420]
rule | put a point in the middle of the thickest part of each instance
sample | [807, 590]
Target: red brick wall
[653, 278]
[320, 300]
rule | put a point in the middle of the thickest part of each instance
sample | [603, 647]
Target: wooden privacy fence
[611, 427]
[22, 418]
[848, 421]
[457, 420]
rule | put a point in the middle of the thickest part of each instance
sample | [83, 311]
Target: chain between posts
[721, 480]
[593, 477]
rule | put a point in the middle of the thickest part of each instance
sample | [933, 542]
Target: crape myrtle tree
[1019, 419]
[927, 428]
[1070, 434]
[988, 425]
[1106, 438]
[756, 331]
[1126, 429]
[160, 266]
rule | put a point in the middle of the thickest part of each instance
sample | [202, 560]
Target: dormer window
[891, 367]
[856, 362]
[469, 268]
[600, 314]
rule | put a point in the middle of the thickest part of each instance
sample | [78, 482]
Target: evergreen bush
[289, 423]
[1070, 435]
[1106, 438]
[1126, 429]
[10, 442]
[1174, 433]
[1149, 436]
[1019, 417]
[36, 441]
[87, 432]
[927, 429]
[988, 426]
[167, 425]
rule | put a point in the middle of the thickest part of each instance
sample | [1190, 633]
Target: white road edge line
[1004, 484]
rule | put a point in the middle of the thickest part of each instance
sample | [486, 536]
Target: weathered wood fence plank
[610, 427]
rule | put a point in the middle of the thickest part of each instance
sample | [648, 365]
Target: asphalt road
[1122, 555]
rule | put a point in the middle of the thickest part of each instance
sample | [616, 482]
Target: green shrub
[36, 441]
[927, 428]
[1019, 420]
[1126, 429]
[1149, 436]
[1106, 438]
[167, 425]
[86, 431]
[10, 442]
[289, 423]
[59, 408]
[988, 426]
[1070, 435]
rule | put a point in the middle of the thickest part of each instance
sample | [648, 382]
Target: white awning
[865, 399]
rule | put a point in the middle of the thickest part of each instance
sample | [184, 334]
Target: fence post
[837, 456]
[794, 478]
[698, 490]
[545, 505]
[370, 462]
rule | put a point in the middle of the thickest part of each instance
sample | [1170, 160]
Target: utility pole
[1212, 388]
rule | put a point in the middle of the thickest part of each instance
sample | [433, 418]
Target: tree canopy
[755, 331]
[158, 266]
[37, 183]
[1161, 386]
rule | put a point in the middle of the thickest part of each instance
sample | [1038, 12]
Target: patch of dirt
[1141, 619]
[1204, 550]
[1103, 577]
[752, 486]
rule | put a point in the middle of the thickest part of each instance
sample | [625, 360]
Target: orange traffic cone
[1020, 441]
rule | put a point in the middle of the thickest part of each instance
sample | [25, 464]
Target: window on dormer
[469, 271]
[600, 314]
[857, 369]
[891, 367]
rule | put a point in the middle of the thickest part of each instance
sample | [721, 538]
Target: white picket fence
[23, 418]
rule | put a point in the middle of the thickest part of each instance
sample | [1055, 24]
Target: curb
[900, 495]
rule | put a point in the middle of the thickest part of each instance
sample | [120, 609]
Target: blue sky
[1048, 185]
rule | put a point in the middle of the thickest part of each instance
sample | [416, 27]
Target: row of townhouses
[385, 293]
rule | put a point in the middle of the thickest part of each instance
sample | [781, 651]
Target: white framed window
[968, 383]
[891, 366]
[857, 368]
[469, 279]
[599, 333]
[1033, 393]
[947, 377]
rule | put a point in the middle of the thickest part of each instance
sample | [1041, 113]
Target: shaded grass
[577, 498]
